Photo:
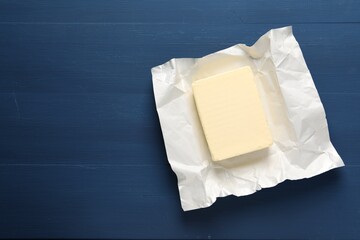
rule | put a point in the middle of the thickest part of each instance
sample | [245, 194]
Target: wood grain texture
[81, 150]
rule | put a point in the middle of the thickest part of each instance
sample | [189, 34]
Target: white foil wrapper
[295, 114]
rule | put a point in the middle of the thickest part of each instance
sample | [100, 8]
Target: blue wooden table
[81, 150]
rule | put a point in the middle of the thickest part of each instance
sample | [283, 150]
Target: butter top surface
[231, 114]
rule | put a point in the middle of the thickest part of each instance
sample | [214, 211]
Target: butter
[231, 114]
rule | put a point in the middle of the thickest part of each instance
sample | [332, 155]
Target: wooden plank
[115, 202]
[111, 128]
[118, 59]
[159, 12]
[82, 37]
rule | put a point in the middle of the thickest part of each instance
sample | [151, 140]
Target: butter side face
[231, 114]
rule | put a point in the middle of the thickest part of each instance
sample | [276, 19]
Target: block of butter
[231, 114]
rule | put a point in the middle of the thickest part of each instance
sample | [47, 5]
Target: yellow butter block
[231, 114]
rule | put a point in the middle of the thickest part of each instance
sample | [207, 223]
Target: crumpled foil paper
[301, 148]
